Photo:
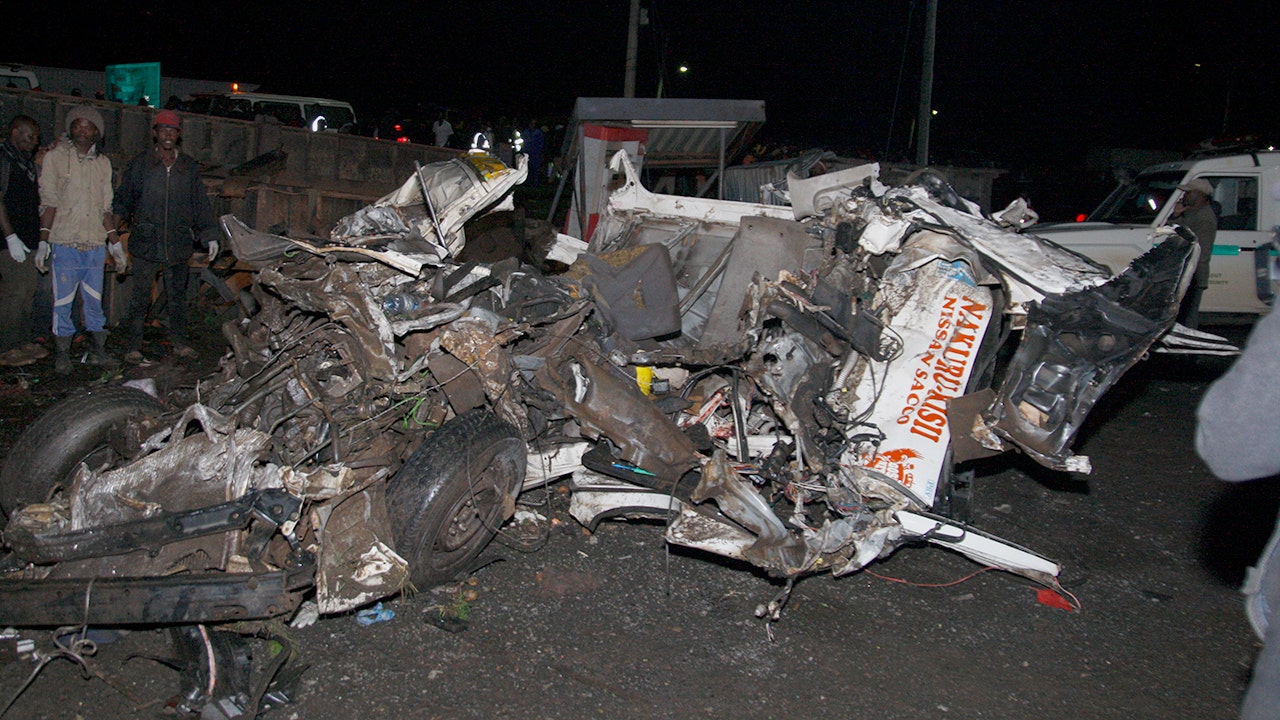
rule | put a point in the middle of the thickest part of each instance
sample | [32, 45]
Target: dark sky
[1015, 82]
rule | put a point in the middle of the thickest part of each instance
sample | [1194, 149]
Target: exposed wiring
[1057, 587]
[970, 576]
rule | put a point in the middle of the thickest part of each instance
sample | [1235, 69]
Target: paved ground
[612, 625]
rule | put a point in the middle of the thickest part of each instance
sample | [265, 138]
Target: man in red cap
[167, 207]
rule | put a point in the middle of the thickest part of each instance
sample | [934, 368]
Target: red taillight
[402, 139]
[398, 128]
[1081, 217]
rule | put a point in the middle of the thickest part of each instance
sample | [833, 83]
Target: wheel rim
[474, 517]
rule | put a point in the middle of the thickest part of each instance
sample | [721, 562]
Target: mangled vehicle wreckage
[816, 372]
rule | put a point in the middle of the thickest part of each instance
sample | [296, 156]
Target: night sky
[1020, 85]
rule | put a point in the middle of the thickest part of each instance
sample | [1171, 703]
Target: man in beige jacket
[76, 221]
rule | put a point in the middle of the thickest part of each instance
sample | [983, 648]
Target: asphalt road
[569, 624]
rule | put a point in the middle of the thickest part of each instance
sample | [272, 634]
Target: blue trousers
[77, 269]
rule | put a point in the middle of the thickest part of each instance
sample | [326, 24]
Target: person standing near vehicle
[1238, 437]
[20, 225]
[442, 130]
[75, 192]
[534, 142]
[167, 207]
[1194, 211]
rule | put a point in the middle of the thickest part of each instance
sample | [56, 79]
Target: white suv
[1120, 229]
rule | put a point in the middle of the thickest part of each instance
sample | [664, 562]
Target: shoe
[23, 355]
[35, 351]
[98, 353]
[62, 355]
[183, 350]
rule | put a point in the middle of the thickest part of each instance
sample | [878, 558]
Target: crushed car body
[789, 386]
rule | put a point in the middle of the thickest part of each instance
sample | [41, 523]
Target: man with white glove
[20, 225]
[75, 192]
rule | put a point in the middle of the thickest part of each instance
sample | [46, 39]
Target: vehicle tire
[446, 503]
[87, 426]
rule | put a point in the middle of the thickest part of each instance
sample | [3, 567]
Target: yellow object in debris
[488, 165]
[644, 378]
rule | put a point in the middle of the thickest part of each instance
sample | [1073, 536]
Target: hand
[17, 250]
[117, 254]
[213, 250]
[42, 256]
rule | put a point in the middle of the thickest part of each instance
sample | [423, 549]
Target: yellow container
[644, 378]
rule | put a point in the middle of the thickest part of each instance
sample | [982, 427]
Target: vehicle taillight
[1081, 217]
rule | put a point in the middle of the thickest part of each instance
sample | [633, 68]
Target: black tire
[87, 426]
[446, 503]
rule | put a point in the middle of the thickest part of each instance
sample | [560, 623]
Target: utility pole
[633, 40]
[926, 83]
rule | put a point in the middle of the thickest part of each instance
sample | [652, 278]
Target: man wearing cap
[1195, 213]
[163, 199]
[76, 222]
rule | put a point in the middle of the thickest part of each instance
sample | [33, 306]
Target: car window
[1235, 199]
[287, 113]
[335, 116]
[202, 105]
[1140, 201]
[232, 107]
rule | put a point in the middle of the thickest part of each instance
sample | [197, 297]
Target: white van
[317, 114]
[1120, 229]
[18, 76]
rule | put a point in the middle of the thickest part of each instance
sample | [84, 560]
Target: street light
[682, 69]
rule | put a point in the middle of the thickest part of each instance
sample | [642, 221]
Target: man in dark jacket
[20, 224]
[163, 199]
[1194, 211]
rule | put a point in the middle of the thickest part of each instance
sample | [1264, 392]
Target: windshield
[1140, 201]
[336, 117]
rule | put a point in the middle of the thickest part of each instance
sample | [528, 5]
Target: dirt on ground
[567, 623]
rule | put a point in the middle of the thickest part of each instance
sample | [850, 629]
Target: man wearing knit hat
[75, 192]
[165, 202]
[1194, 211]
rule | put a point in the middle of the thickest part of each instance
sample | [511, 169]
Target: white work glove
[17, 250]
[213, 250]
[42, 256]
[117, 254]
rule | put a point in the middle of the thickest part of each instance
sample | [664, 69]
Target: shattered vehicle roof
[790, 386]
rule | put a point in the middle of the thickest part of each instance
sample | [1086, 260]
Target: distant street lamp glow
[935, 112]
[684, 68]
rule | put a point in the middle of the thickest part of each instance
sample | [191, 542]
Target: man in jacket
[163, 199]
[20, 225]
[1194, 211]
[75, 192]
